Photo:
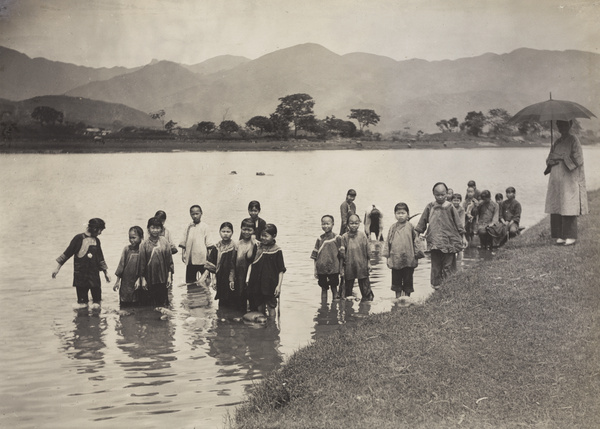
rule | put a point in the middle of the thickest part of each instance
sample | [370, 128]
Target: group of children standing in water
[247, 274]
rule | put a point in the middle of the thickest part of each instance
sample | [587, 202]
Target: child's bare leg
[323, 294]
[334, 293]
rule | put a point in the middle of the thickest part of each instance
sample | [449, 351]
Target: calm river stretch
[69, 369]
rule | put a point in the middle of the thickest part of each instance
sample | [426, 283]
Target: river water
[109, 368]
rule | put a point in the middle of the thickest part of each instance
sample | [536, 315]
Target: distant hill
[217, 64]
[76, 109]
[144, 89]
[22, 77]
[412, 93]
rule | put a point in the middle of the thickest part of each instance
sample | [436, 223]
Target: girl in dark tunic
[266, 272]
[221, 264]
[88, 261]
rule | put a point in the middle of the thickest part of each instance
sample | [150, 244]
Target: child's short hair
[161, 215]
[247, 223]
[499, 196]
[96, 224]
[353, 215]
[401, 206]
[254, 205]
[486, 194]
[154, 221]
[457, 197]
[471, 184]
[438, 184]
[511, 190]
[271, 229]
[226, 225]
[329, 216]
[196, 206]
[138, 230]
[351, 192]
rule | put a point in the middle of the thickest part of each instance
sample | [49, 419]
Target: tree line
[294, 113]
[496, 122]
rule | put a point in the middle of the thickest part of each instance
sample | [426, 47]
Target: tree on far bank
[294, 108]
[159, 114]
[497, 121]
[447, 125]
[47, 115]
[473, 123]
[281, 126]
[364, 117]
[340, 127]
[170, 125]
[262, 124]
[206, 127]
[228, 127]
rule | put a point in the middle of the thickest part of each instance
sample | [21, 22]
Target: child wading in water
[88, 261]
[162, 215]
[326, 255]
[258, 224]
[155, 265]
[347, 208]
[355, 251]
[399, 249]
[266, 272]
[221, 263]
[127, 271]
[445, 234]
[195, 245]
[245, 255]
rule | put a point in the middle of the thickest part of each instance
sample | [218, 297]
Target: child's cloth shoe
[560, 241]
[570, 241]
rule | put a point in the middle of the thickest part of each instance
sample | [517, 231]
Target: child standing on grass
[356, 257]
[195, 245]
[155, 265]
[246, 251]
[266, 273]
[327, 262]
[399, 250]
[160, 214]
[88, 261]
[258, 224]
[127, 274]
[445, 234]
[346, 209]
[221, 264]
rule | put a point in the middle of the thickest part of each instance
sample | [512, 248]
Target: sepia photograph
[300, 214]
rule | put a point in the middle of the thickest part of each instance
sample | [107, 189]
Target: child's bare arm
[279, 282]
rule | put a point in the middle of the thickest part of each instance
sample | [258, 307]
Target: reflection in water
[147, 339]
[87, 343]
[252, 348]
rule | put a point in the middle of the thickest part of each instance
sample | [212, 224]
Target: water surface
[71, 369]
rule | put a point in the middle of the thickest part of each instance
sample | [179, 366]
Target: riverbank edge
[513, 342]
[162, 146]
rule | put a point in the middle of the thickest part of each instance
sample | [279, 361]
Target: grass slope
[512, 343]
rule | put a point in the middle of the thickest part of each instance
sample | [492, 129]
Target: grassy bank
[512, 343]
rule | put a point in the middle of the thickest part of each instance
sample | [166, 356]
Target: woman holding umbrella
[566, 197]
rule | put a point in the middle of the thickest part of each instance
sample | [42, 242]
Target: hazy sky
[133, 32]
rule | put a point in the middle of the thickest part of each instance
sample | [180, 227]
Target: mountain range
[412, 94]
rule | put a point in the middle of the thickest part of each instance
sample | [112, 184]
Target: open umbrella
[552, 110]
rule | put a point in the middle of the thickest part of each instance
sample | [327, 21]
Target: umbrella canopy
[552, 110]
